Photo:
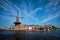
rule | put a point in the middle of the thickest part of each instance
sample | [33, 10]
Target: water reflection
[54, 35]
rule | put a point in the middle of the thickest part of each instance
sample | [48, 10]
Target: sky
[36, 12]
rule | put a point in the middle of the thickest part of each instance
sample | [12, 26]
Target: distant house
[18, 27]
[30, 27]
[41, 28]
[48, 27]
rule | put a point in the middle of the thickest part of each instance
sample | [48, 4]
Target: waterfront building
[31, 27]
[40, 27]
[48, 27]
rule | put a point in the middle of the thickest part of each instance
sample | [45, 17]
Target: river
[10, 35]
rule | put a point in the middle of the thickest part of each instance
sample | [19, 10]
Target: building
[48, 27]
[31, 27]
[41, 28]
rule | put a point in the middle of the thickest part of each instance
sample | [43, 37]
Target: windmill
[17, 19]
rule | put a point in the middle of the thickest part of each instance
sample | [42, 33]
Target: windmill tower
[17, 19]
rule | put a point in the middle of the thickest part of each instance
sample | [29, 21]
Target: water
[54, 35]
[8, 32]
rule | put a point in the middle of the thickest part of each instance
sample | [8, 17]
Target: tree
[54, 27]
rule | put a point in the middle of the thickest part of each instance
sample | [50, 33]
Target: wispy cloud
[56, 2]
[5, 17]
[6, 6]
[52, 3]
[30, 16]
[24, 8]
[35, 10]
[50, 18]
[52, 6]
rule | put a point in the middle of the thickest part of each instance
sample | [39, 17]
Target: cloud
[35, 10]
[30, 16]
[5, 17]
[23, 8]
[50, 18]
[7, 5]
[52, 3]
[11, 12]
[3, 7]
[52, 6]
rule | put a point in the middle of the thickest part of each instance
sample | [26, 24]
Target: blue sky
[39, 12]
